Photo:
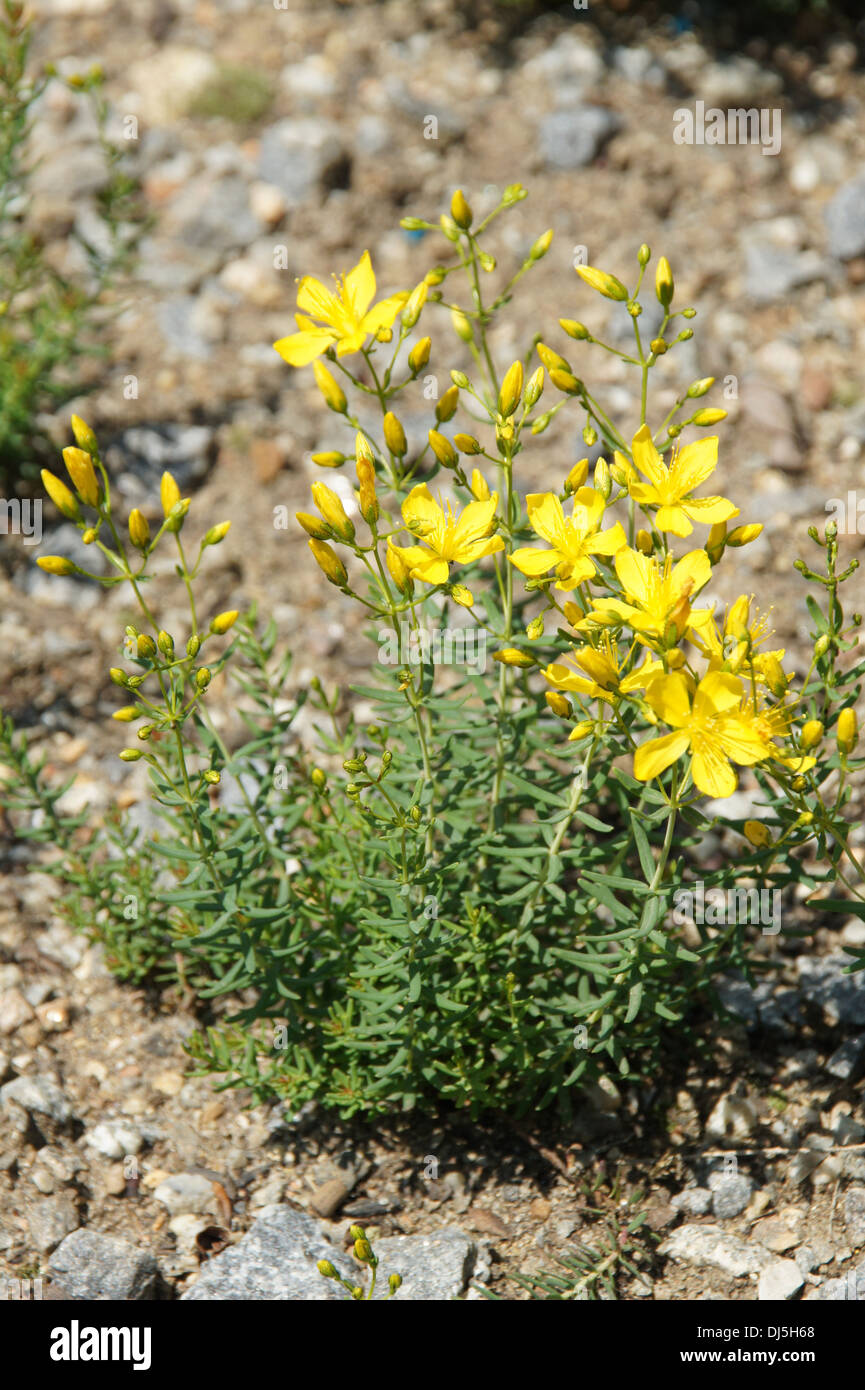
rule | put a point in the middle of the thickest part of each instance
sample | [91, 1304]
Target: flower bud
[542, 245]
[139, 531]
[775, 676]
[446, 407]
[223, 621]
[202, 677]
[394, 1281]
[326, 1269]
[512, 656]
[565, 381]
[744, 535]
[169, 493]
[644, 255]
[644, 542]
[757, 834]
[664, 286]
[414, 304]
[329, 562]
[176, 517]
[699, 388]
[419, 355]
[847, 733]
[193, 646]
[56, 564]
[511, 390]
[312, 525]
[812, 733]
[394, 435]
[659, 346]
[559, 704]
[145, 646]
[145, 731]
[80, 468]
[64, 500]
[534, 388]
[461, 595]
[333, 511]
[130, 755]
[577, 477]
[216, 533]
[467, 444]
[487, 262]
[330, 388]
[581, 731]
[709, 415]
[119, 677]
[575, 329]
[398, 569]
[331, 458]
[462, 326]
[443, 449]
[602, 480]
[127, 714]
[83, 434]
[599, 280]
[737, 618]
[551, 360]
[318, 779]
[460, 210]
[716, 541]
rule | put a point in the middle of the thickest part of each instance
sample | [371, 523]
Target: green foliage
[240, 94]
[49, 320]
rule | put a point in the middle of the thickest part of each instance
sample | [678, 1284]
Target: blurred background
[191, 159]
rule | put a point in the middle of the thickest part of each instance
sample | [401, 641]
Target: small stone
[486, 1222]
[275, 1261]
[50, 1221]
[779, 1281]
[711, 1246]
[267, 459]
[54, 1015]
[816, 389]
[434, 1268]
[186, 1192]
[115, 1139]
[267, 203]
[327, 1199]
[694, 1201]
[89, 1265]
[848, 1061]
[731, 1195]
[771, 272]
[841, 996]
[168, 1083]
[854, 1214]
[38, 1095]
[571, 138]
[14, 1011]
[845, 220]
[775, 1235]
[733, 1117]
[298, 156]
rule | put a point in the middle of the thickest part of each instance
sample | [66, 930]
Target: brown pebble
[486, 1222]
[327, 1199]
[541, 1208]
[267, 459]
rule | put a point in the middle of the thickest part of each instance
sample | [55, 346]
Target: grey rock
[771, 273]
[571, 139]
[735, 82]
[189, 325]
[114, 1138]
[850, 1286]
[169, 267]
[854, 1214]
[50, 1221]
[298, 156]
[695, 1201]
[38, 1095]
[638, 65]
[145, 451]
[434, 1268]
[568, 61]
[823, 982]
[90, 1265]
[711, 1246]
[733, 1117]
[14, 1010]
[185, 1192]
[845, 220]
[730, 1195]
[275, 1261]
[779, 1281]
[848, 1061]
[215, 214]
[449, 123]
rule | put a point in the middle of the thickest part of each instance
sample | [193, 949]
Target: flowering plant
[479, 905]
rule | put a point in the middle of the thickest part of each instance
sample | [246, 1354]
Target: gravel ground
[751, 1160]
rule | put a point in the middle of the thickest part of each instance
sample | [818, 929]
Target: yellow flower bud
[326, 1269]
[699, 388]
[330, 388]
[127, 714]
[599, 280]
[394, 435]
[664, 286]
[145, 646]
[139, 531]
[565, 381]
[419, 355]
[480, 489]
[398, 569]
[552, 360]
[716, 541]
[174, 520]
[709, 416]
[329, 562]
[645, 543]
[512, 656]
[577, 477]
[331, 458]
[414, 304]
[202, 677]
[461, 595]
[535, 387]
[847, 732]
[512, 389]
[130, 755]
[559, 704]
[603, 481]
[460, 210]
[64, 500]
[394, 1280]
[80, 468]
[83, 434]
[581, 730]
[757, 834]
[165, 642]
[169, 492]
[542, 245]
[446, 407]
[56, 564]
[812, 733]
[118, 676]
[443, 449]
[575, 329]
[467, 444]
[333, 511]
[462, 325]
[223, 621]
[744, 535]
[216, 533]
[312, 525]
[89, 536]
[212, 777]
[775, 675]
[737, 618]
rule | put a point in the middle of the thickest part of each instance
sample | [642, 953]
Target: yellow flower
[706, 719]
[447, 539]
[669, 489]
[80, 469]
[572, 542]
[657, 593]
[64, 500]
[344, 317]
[603, 667]
[736, 645]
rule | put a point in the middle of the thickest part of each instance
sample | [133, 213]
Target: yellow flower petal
[654, 757]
